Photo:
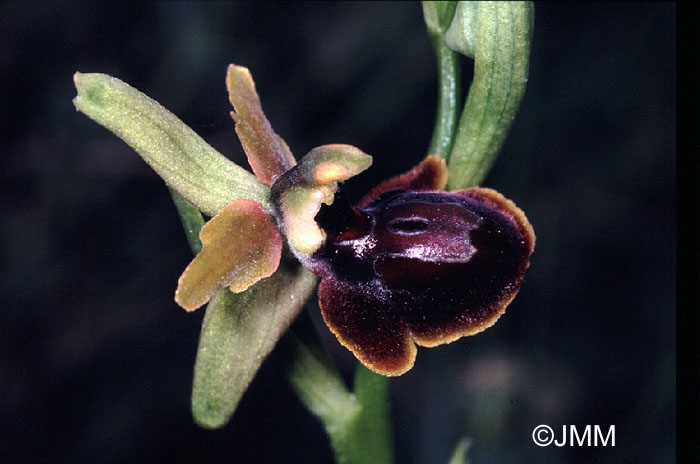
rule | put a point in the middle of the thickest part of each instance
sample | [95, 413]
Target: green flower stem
[191, 218]
[449, 98]
[206, 178]
[497, 35]
[371, 433]
[438, 17]
[358, 423]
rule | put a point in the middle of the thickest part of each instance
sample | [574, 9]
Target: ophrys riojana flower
[409, 264]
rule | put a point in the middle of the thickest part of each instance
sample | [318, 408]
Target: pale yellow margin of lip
[441, 181]
[430, 342]
[526, 228]
[511, 208]
[404, 367]
[411, 340]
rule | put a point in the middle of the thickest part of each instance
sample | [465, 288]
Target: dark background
[95, 357]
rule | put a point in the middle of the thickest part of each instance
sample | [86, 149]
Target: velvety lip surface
[416, 265]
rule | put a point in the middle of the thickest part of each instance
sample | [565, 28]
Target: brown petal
[240, 246]
[268, 154]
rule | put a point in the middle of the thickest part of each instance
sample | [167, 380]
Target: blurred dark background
[95, 357]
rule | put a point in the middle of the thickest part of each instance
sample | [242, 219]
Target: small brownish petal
[430, 174]
[240, 246]
[268, 154]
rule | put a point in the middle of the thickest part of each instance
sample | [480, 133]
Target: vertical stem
[449, 98]
[357, 423]
[373, 428]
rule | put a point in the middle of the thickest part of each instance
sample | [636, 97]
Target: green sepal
[203, 176]
[238, 332]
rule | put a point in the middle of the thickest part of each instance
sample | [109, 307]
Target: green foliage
[438, 16]
[497, 35]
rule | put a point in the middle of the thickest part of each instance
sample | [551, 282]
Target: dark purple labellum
[421, 267]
